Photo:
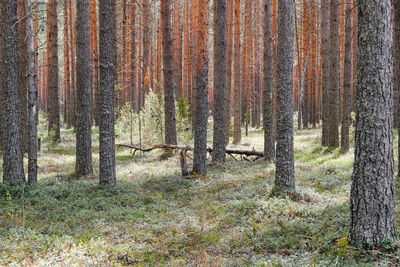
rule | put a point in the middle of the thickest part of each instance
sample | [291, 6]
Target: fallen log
[256, 153]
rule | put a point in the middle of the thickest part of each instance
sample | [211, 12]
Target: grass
[155, 217]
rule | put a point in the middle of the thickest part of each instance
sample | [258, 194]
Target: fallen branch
[253, 152]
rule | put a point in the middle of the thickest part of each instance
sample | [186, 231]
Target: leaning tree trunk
[13, 167]
[219, 137]
[169, 87]
[201, 110]
[346, 116]
[83, 165]
[32, 96]
[284, 174]
[372, 191]
[107, 78]
[269, 69]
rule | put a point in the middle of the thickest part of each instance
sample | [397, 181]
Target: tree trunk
[23, 75]
[169, 87]
[237, 131]
[13, 167]
[132, 94]
[229, 37]
[346, 116]
[53, 96]
[396, 70]
[201, 110]
[219, 138]
[83, 164]
[284, 174]
[372, 192]
[325, 46]
[107, 78]
[146, 48]
[32, 86]
[269, 70]
[334, 84]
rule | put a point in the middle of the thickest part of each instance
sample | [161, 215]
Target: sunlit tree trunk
[83, 165]
[219, 138]
[13, 168]
[201, 111]
[284, 174]
[372, 202]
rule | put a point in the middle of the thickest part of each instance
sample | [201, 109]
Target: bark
[13, 168]
[372, 192]
[146, 50]
[67, 64]
[346, 116]
[23, 67]
[269, 70]
[32, 89]
[169, 87]
[334, 84]
[71, 106]
[83, 165]
[133, 59]
[177, 58]
[396, 66]
[53, 96]
[107, 80]
[284, 174]
[237, 131]
[229, 52]
[201, 110]
[219, 136]
[325, 46]
[94, 63]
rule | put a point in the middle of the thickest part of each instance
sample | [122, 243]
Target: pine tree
[219, 138]
[83, 165]
[169, 87]
[284, 174]
[107, 79]
[13, 168]
[372, 202]
[201, 110]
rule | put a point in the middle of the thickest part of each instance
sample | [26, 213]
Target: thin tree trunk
[372, 201]
[334, 88]
[346, 116]
[32, 107]
[201, 111]
[219, 138]
[83, 164]
[169, 87]
[23, 75]
[53, 95]
[269, 70]
[229, 52]
[325, 59]
[107, 79]
[237, 131]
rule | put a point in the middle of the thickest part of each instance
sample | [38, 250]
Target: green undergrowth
[154, 217]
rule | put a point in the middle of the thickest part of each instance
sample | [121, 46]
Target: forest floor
[155, 217]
